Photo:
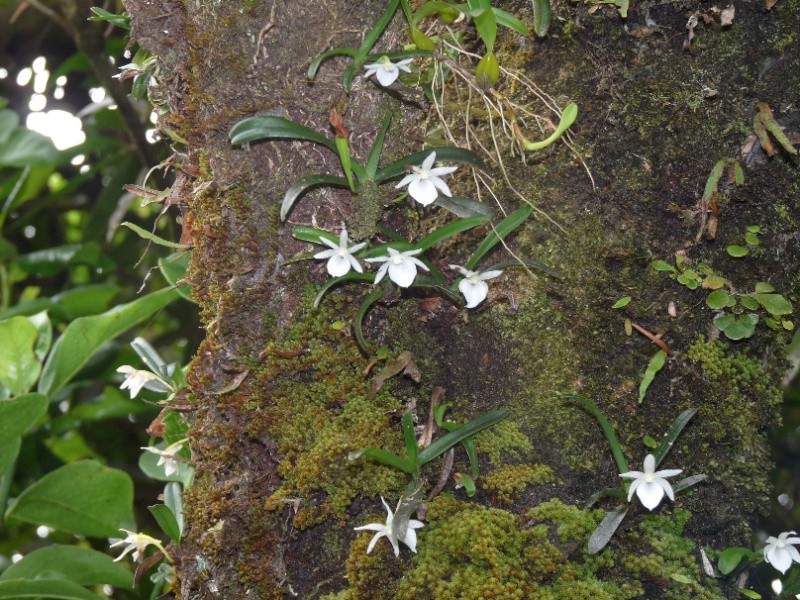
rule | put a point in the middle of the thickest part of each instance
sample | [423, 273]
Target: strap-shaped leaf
[450, 230]
[410, 439]
[672, 434]
[506, 19]
[302, 185]
[485, 21]
[606, 529]
[320, 58]
[463, 207]
[312, 234]
[608, 430]
[688, 482]
[271, 127]
[358, 320]
[152, 237]
[447, 441]
[541, 17]
[366, 277]
[443, 153]
[384, 456]
[506, 226]
[377, 148]
[437, 284]
[60, 589]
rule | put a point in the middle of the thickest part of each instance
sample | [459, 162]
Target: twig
[656, 339]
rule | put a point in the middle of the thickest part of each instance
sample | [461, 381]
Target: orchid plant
[650, 486]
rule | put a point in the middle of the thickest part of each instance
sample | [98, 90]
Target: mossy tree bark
[280, 391]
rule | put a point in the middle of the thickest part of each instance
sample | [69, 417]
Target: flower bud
[488, 71]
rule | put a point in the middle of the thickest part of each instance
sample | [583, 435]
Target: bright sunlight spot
[62, 127]
[97, 94]
[37, 102]
[24, 76]
[777, 586]
[3, 73]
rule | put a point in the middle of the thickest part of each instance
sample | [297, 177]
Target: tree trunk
[283, 393]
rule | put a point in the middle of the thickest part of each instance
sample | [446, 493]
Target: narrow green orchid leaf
[606, 529]
[469, 485]
[672, 434]
[56, 588]
[433, 8]
[450, 230]
[366, 277]
[768, 119]
[412, 451]
[122, 21]
[447, 441]
[485, 21]
[358, 320]
[349, 74]
[173, 499]
[166, 520]
[567, 119]
[343, 149]
[608, 430]
[377, 148]
[463, 207]
[655, 365]
[506, 19]
[443, 154]
[506, 226]
[472, 455]
[152, 237]
[320, 58]
[541, 17]
[524, 262]
[312, 234]
[688, 482]
[376, 31]
[271, 127]
[386, 457]
[436, 284]
[302, 185]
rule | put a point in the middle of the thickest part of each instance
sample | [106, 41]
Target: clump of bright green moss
[509, 481]
[504, 439]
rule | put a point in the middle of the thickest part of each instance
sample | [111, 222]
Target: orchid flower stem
[343, 148]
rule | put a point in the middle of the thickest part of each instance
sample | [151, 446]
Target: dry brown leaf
[726, 16]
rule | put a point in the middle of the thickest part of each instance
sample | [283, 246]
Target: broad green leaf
[113, 404]
[762, 287]
[44, 330]
[302, 185]
[70, 447]
[84, 336]
[9, 450]
[173, 499]
[719, 299]
[440, 445]
[506, 226]
[27, 148]
[173, 268]
[736, 328]
[274, 128]
[85, 498]
[681, 578]
[663, 266]
[51, 261]
[606, 529]
[622, 302]
[166, 520]
[737, 251]
[656, 364]
[152, 237]
[83, 566]
[60, 589]
[148, 463]
[443, 154]
[672, 434]
[463, 207]
[19, 367]
[750, 594]
[85, 300]
[774, 304]
[749, 303]
[19, 414]
[541, 17]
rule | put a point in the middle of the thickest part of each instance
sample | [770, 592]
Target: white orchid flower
[409, 538]
[780, 553]
[401, 266]
[136, 379]
[138, 542]
[166, 456]
[650, 485]
[387, 72]
[425, 182]
[340, 257]
[474, 286]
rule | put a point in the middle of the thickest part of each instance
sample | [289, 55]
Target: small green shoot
[709, 199]
[764, 123]
[655, 365]
[622, 302]
[567, 119]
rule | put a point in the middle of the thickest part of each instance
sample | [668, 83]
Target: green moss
[503, 440]
[572, 522]
[509, 481]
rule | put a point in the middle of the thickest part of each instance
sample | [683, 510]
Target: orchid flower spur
[408, 537]
[473, 286]
[401, 266]
[780, 552]
[138, 542]
[425, 182]
[166, 456]
[650, 485]
[387, 72]
[340, 257]
[136, 379]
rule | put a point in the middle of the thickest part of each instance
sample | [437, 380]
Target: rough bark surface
[279, 387]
